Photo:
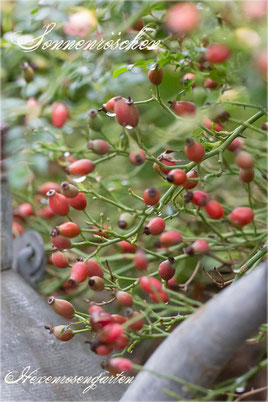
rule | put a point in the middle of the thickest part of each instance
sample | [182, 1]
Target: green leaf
[34, 11]
[119, 71]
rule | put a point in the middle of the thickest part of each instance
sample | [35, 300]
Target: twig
[249, 393]
[184, 286]
[111, 274]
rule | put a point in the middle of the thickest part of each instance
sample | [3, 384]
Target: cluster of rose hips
[112, 332]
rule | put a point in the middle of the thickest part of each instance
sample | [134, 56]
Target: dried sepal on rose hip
[99, 319]
[166, 158]
[62, 307]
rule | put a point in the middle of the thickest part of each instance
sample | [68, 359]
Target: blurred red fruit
[242, 216]
[217, 53]
[182, 18]
[59, 115]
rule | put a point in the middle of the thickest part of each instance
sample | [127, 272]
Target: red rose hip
[59, 259]
[214, 210]
[78, 273]
[156, 76]
[151, 196]
[126, 112]
[81, 167]
[124, 298]
[170, 238]
[194, 150]
[79, 202]
[176, 176]
[242, 216]
[59, 115]
[68, 229]
[166, 270]
[217, 53]
[155, 226]
[58, 203]
[188, 185]
[62, 307]
[140, 260]
[182, 108]
[94, 269]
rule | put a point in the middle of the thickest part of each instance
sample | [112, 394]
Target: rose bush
[144, 170]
